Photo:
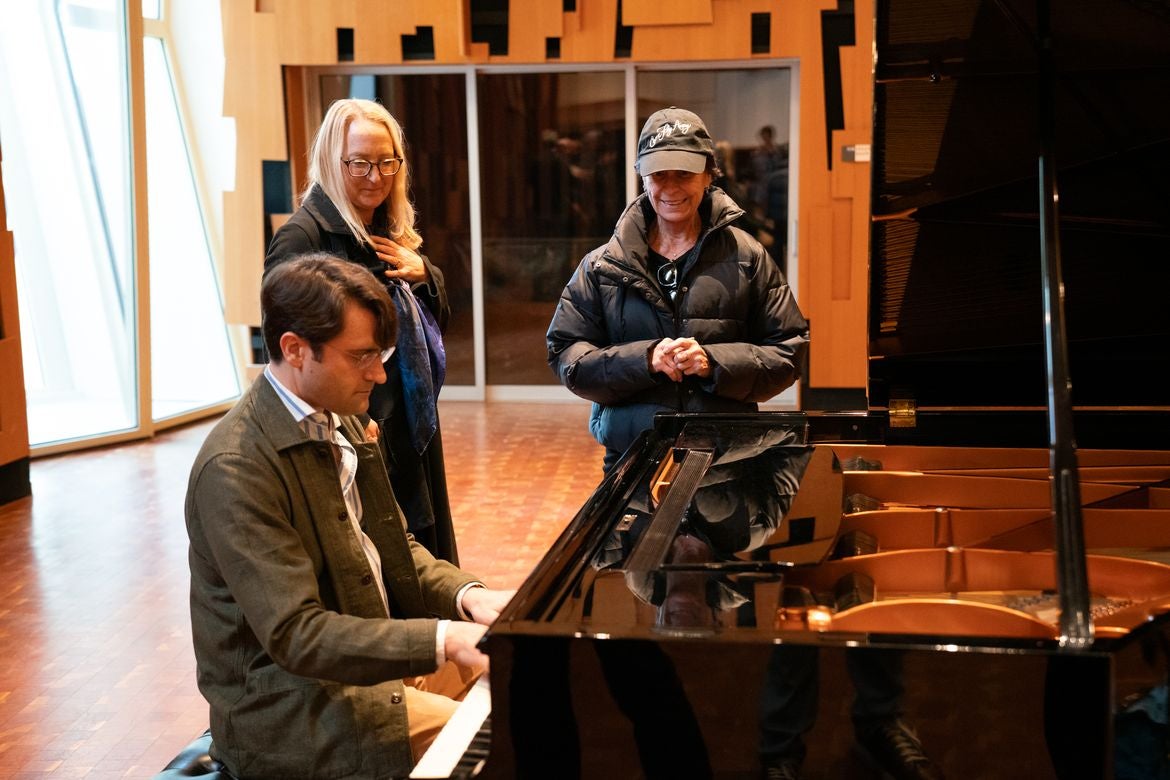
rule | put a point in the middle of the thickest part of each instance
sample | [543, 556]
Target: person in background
[681, 310]
[767, 158]
[328, 643]
[770, 190]
[753, 220]
[357, 208]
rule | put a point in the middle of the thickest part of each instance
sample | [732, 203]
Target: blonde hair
[325, 169]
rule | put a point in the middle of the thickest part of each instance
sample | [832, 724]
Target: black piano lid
[955, 330]
[588, 586]
[956, 306]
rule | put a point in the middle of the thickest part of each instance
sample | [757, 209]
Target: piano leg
[1075, 705]
[550, 739]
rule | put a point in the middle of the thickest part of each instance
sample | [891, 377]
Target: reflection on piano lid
[910, 566]
[925, 588]
[954, 268]
[462, 746]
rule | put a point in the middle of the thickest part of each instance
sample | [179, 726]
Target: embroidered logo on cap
[668, 130]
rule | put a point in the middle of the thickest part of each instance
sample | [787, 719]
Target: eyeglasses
[361, 168]
[364, 359]
[668, 278]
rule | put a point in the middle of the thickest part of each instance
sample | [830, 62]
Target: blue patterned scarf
[422, 363]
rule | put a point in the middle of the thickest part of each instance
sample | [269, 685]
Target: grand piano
[984, 551]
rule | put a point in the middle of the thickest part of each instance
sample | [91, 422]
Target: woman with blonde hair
[357, 207]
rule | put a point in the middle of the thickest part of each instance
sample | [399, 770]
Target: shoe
[892, 747]
[781, 770]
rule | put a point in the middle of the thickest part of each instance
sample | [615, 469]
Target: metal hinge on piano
[461, 748]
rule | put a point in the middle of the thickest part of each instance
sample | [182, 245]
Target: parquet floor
[96, 668]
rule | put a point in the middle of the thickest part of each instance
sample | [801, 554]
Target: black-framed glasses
[364, 359]
[361, 168]
[668, 278]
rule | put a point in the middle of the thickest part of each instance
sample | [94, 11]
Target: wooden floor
[97, 675]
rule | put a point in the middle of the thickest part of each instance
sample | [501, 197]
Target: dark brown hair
[307, 295]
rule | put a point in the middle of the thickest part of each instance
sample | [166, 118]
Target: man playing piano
[328, 642]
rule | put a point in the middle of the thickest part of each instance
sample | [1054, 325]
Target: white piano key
[444, 753]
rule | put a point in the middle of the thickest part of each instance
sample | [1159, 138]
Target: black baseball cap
[674, 139]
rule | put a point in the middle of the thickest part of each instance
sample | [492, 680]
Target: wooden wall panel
[253, 97]
[589, 32]
[378, 38]
[542, 20]
[852, 180]
[832, 203]
[306, 30]
[636, 13]
[833, 210]
[13, 410]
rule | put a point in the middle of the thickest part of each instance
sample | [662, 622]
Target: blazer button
[343, 516]
[396, 698]
[367, 579]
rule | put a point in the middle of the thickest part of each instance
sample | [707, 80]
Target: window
[190, 357]
[65, 125]
[67, 180]
[553, 178]
[547, 175]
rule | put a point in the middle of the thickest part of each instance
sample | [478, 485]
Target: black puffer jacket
[732, 299]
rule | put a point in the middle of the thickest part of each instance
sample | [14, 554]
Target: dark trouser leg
[877, 682]
[646, 687]
[788, 703]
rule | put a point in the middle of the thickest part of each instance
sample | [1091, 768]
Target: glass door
[521, 171]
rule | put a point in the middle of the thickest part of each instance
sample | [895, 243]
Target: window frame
[481, 390]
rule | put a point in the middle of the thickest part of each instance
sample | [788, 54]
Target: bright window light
[63, 120]
[191, 360]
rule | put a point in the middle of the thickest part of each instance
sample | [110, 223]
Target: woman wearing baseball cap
[680, 311]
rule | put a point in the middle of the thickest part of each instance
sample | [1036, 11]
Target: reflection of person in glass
[743, 497]
[744, 494]
[680, 310]
[770, 188]
[788, 710]
[357, 208]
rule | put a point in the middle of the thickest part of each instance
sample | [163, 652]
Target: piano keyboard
[461, 748]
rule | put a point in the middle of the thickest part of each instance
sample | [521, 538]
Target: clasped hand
[680, 357]
[402, 263]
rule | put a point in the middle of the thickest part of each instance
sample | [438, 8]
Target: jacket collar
[317, 203]
[630, 242]
[273, 416]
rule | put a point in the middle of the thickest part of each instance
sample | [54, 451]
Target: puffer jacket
[732, 299]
